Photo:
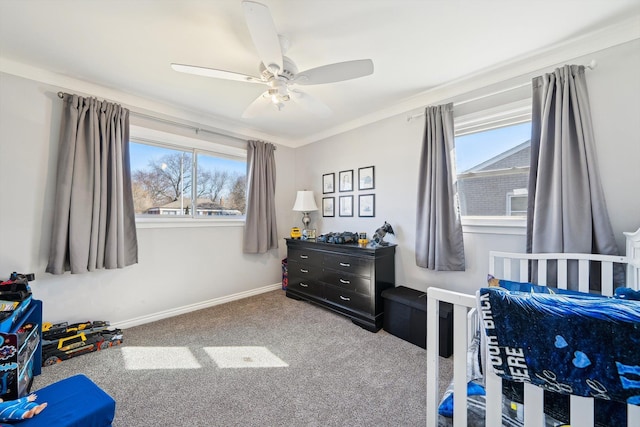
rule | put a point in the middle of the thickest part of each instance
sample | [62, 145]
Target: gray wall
[186, 268]
[178, 269]
[393, 146]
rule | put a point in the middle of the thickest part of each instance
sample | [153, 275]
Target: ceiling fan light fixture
[279, 72]
[274, 69]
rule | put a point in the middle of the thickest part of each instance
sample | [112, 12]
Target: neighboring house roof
[201, 203]
[203, 207]
[510, 158]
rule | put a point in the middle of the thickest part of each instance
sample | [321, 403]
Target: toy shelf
[20, 350]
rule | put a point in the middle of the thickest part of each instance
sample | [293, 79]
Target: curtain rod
[592, 65]
[196, 129]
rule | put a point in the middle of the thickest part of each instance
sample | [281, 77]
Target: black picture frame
[345, 181]
[367, 205]
[345, 206]
[328, 206]
[366, 178]
[328, 183]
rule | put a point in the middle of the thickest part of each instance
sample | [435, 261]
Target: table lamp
[305, 203]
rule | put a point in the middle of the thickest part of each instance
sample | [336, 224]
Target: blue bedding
[567, 342]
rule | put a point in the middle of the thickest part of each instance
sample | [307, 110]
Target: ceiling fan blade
[335, 72]
[259, 105]
[217, 74]
[264, 35]
[310, 103]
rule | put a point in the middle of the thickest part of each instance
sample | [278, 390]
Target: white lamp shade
[305, 202]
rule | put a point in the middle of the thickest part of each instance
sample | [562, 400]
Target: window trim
[514, 225]
[492, 118]
[180, 142]
[186, 222]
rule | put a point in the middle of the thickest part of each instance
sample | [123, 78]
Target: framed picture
[345, 179]
[346, 206]
[366, 178]
[367, 205]
[328, 208]
[328, 182]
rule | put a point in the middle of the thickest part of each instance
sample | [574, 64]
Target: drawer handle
[304, 256]
[345, 264]
[302, 270]
[304, 285]
[345, 298]
[345, 282]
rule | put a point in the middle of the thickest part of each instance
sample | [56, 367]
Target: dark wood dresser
[344, 278]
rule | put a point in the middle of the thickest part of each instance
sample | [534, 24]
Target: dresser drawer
[348, 264]
[346, 281]
[304, 270]
[346, 299]
[304, 256]
[309, 287]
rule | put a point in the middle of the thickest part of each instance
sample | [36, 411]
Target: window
[492, 152]
[517, 202]
[179, 177]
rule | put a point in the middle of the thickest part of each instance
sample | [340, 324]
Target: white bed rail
[515, 266]
[462, 304]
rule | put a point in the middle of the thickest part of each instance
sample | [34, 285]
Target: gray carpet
[336, 373]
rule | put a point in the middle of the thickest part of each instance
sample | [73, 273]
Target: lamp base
[306, 220]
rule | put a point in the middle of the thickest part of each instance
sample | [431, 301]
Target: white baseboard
[193, 307]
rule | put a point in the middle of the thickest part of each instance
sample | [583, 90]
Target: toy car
[78, 344]
[54, 332]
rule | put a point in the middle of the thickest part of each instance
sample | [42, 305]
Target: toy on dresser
[378, 236]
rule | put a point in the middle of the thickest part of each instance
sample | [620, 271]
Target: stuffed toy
[20, 409]
[378, 236]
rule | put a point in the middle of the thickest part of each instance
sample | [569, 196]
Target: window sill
[145, 222]
[494, 225]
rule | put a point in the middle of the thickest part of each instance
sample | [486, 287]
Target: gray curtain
[260, 231]
[93, 216]
[439, 244]
[566, 207]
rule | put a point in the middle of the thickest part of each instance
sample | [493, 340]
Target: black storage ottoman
[405, 316]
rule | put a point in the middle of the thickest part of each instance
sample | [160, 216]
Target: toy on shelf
[20, 319]
[15, 296]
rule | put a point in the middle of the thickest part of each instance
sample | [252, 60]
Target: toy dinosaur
[378, 236]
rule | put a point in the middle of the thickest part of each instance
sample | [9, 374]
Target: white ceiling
[415, 45]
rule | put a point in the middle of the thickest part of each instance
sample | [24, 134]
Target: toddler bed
[537, 396]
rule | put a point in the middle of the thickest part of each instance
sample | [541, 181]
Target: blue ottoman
[73, 402]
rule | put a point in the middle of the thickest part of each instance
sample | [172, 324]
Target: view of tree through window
[493, 171]
[173, 181]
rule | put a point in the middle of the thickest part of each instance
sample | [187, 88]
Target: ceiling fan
[279, 72]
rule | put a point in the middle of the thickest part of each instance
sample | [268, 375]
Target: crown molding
[519, 69]
[148, 107]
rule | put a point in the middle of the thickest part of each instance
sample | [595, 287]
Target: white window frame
[482, 120]
[170, 140]
[518, 192]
